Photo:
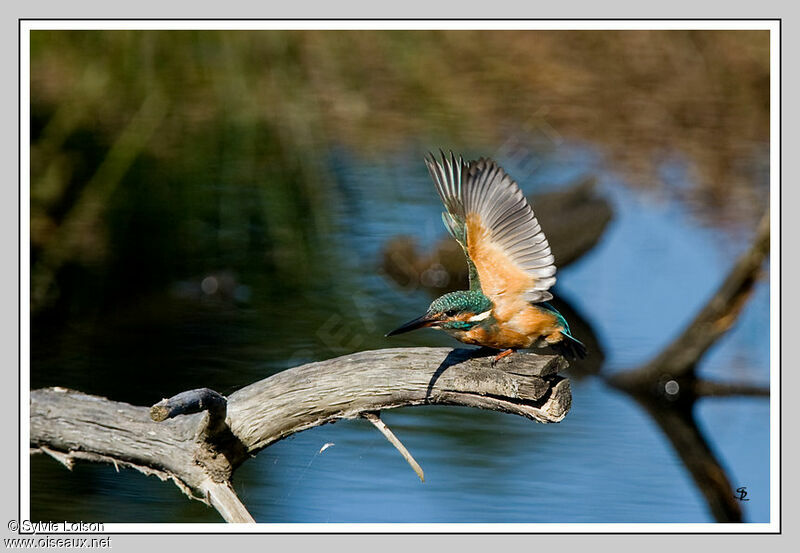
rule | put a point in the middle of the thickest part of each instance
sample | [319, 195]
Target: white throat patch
[480, 316]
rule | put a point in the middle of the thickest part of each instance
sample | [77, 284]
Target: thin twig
[375, 419]
[60, 456]
[223, 498]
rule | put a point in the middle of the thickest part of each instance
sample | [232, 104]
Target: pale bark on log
[200, 458]
[347, 386]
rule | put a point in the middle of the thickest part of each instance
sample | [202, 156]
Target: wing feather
[508, 254]
[447, 176]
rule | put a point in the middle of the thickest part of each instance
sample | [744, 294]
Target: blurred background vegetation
[208, 207]
[106, 106]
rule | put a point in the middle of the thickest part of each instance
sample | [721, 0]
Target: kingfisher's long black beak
[413, 325]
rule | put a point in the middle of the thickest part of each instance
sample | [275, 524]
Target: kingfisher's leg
[502, 354]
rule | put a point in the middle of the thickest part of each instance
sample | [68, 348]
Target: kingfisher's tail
[567, 346]
[570, 347]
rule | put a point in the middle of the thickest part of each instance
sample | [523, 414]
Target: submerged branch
[679, 358]
[667, 387]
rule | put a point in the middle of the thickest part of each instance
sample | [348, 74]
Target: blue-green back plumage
[561, 320]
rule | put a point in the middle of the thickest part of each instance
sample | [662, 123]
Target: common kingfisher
[510, 264]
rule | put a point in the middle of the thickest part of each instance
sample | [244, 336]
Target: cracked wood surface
[296, 399]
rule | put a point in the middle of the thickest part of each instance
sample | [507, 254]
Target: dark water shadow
[678, 423]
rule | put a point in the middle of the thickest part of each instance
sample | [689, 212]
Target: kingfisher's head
[453, 311]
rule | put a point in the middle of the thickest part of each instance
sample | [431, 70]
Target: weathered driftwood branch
[296, 399]
[199, 452]
[70, 426]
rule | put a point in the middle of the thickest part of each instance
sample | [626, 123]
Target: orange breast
[518, 325]
[496, 337]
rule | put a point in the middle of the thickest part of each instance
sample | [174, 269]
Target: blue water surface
[608, 461]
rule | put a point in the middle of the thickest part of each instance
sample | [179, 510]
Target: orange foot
[502, 354]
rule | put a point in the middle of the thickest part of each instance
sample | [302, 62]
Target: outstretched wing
[447, 177]
[486, 212]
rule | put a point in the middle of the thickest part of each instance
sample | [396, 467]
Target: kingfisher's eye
[451, 312]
